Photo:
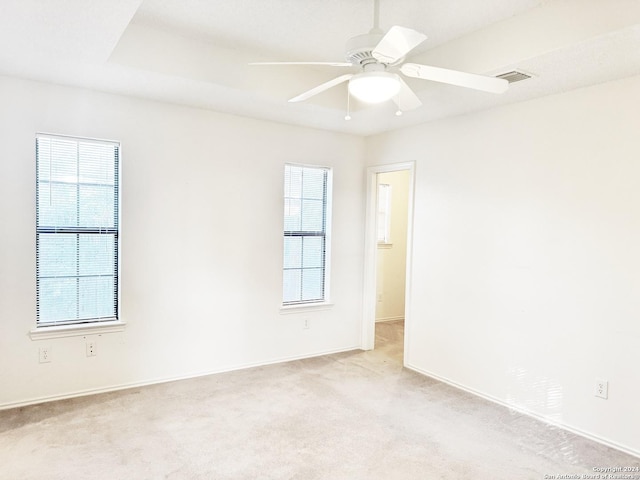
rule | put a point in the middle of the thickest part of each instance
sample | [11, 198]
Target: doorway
[387, 250]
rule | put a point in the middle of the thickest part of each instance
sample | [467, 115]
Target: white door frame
[371, 254]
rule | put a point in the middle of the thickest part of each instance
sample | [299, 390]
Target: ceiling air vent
[514, 76]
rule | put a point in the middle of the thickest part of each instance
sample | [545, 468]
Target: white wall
[201, 249]
[392, 258]
[526, 254]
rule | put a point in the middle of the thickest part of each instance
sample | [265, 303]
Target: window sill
[385, 245]
[45, 333]
[305, 307]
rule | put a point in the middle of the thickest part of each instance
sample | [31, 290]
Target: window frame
[85, 325]
[324, 302]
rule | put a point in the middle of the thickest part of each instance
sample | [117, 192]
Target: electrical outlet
[45, 354]
[91, 348]
[602, 388]
[307, 323]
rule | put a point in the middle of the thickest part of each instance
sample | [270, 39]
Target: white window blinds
[76, 230]
[305, 234]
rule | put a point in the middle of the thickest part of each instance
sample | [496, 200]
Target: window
[76, 230]
[306, 196]
[384, 213]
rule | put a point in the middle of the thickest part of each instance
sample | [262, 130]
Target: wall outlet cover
[602, 388]
[45, 354]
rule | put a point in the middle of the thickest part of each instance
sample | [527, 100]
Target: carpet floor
[355, 415]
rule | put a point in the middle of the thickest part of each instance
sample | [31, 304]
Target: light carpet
[356, 415]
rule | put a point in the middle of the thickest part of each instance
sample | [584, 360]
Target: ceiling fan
[377, 56]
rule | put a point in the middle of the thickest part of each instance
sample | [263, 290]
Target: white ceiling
[196, 52]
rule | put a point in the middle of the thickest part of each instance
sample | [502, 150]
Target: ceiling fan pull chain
[348, 115]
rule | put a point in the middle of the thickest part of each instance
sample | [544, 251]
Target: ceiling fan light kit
[375, 54]
[374, 87]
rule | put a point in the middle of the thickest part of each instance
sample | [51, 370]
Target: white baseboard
[125, 386]
[526, 411]
[389, 319]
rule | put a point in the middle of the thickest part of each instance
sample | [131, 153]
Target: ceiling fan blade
[406, 100]
[397, 43]
[330, 64]
[454, 77]
[321, 88]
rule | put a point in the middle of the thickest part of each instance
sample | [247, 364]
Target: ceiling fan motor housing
[359, 48]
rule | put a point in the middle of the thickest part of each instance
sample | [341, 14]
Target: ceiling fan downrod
[376, 17]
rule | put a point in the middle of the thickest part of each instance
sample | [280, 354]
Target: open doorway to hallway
[392, 205]
[386, 318]
[391, 261]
